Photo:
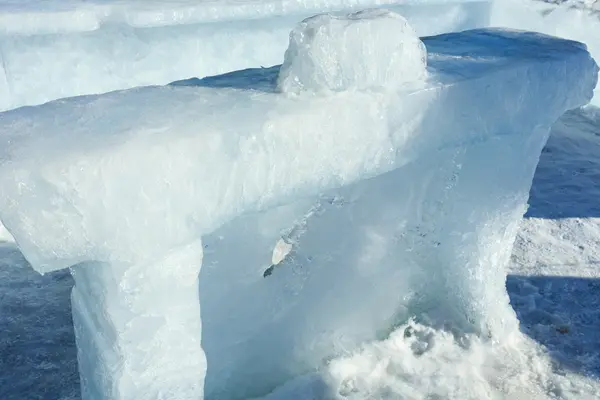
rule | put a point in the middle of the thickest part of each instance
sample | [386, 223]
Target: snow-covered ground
[554, 287]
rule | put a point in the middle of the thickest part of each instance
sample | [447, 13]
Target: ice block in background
[62, 48]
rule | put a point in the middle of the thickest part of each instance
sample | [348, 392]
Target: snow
[389, 213]
[56, 49]
[323, 52]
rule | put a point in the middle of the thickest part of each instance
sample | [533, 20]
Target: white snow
[366, 50]
[397, 203]
[55, 49]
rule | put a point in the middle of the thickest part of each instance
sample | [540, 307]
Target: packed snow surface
[404, 203]
[56, 49]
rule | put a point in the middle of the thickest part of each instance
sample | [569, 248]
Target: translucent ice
[374, 206]
[366, 50]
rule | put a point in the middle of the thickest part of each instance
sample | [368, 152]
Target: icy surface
[367, 50]
[553, 283]
[138, 328]
[35, 16]
[55, 49]
[575, 20]
[4, 235]
[152, 169]
[223, 178]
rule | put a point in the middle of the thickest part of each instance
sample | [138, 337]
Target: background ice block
[55, 49]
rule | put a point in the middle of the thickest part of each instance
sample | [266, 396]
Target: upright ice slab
[51, 49]
[320, 220]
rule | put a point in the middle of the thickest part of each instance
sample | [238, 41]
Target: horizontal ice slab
[127, 175]
[98, 46]
[43, 16]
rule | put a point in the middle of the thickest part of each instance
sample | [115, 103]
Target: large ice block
[61, 48]
[320, 220]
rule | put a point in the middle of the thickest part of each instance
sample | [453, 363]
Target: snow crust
[427, 186]
[367, 50]
[56, 49]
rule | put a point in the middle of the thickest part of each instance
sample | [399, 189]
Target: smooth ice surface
[367, 50]
[56, 49]
[428, 235]
[553, 283]
[574, 20]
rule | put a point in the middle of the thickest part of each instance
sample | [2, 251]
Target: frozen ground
[554, 287]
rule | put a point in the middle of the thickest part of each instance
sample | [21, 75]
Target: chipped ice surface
[371, 49]
[35, 16]
[553, 282]
[56, 49]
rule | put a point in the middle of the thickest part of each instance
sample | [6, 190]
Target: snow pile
[55, 49]
[380, 206]
[334, 53]
[573, 20]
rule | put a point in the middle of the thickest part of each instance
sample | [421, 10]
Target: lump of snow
[389, 203]
[369, 49]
